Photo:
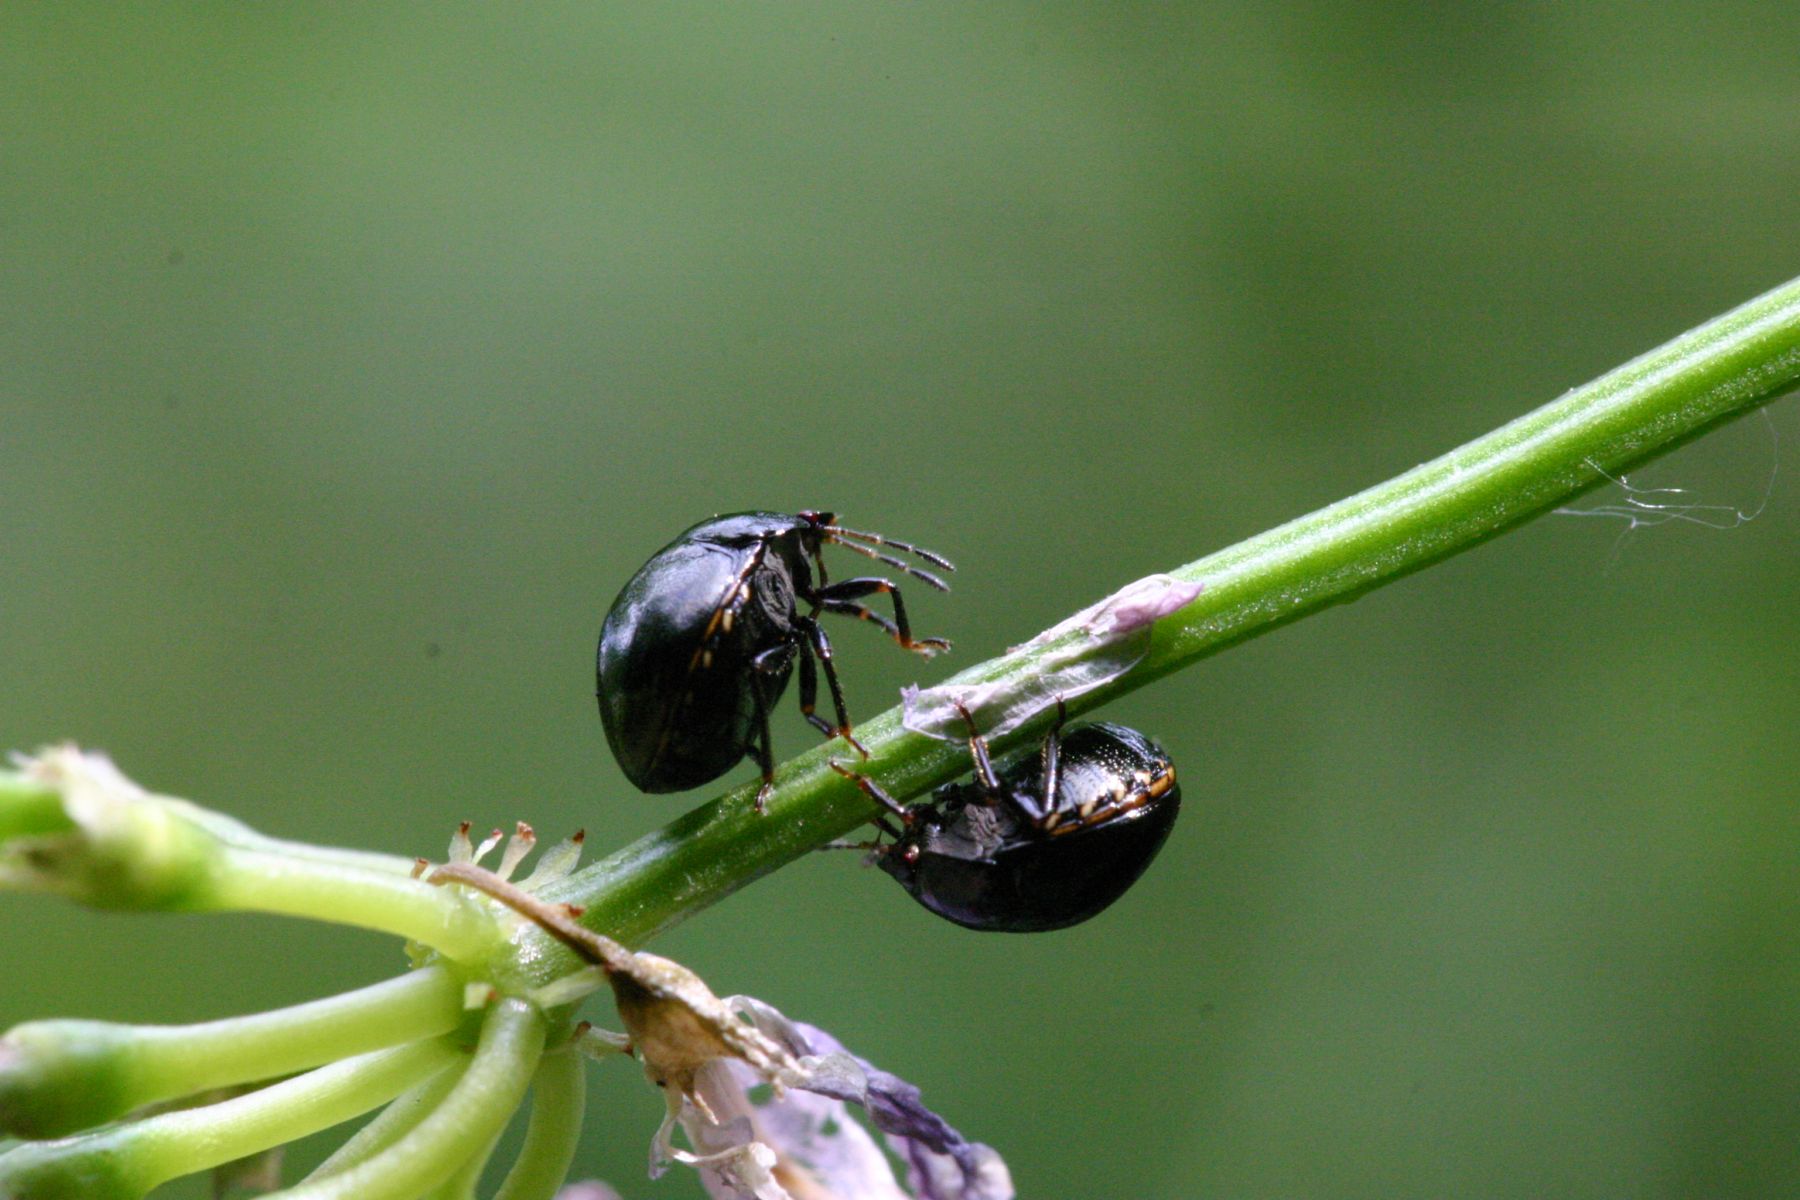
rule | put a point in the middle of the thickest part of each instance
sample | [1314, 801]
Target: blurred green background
[355, 357]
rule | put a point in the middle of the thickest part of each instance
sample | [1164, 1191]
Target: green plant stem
[130, 1159]
[325, 890]
[392, 1123]
[465, 1123]
[194, 1139]
[558, 1104]
[246, 838]
[463, 1184]
[1718, 371]
[170, 1061]
[236, 833]
[72, 824]
[60, 1076]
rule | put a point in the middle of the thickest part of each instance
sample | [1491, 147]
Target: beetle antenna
[936, 560]
[897, 564]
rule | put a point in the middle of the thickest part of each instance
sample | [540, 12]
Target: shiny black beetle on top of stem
[1044, 843]
[699, 645]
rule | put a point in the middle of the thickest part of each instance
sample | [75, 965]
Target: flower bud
[29, 808]
[120, 848]
[89, 1168]
[58, 1077]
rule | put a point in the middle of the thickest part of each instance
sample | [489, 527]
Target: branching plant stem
[70, 823]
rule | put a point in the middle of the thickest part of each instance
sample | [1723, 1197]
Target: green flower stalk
[57, 1077]
[466, 1120]
[558, 1104]
[116, 846]
[389, 1126]
[126, 1161]
[449, 1050]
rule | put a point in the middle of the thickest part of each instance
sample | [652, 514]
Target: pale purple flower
[799, 1142]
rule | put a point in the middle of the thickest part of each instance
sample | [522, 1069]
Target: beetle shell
[1030, 863]
[677, 690]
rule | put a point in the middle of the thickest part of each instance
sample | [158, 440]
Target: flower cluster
[443, 1055]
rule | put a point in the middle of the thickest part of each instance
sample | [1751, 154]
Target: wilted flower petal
[941, 1163]
[813, 1149]
[677, 1025]
[745, 1171]
[1134, 606]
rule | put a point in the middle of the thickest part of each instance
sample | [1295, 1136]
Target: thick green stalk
[122, 1162]
[467, 1181]
[193, 1139]
[1707, 376]
[178, 1060]
[558, 1102]
[57, 1077]
[462, 1125]
[274, 881]
[391, 1123]
[71, 823]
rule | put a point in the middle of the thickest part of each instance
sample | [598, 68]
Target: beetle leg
[984, 767]
[804, 584]
[761, 750]
[878, 794]
[809, 696]
[843, 845]
[1052, 760]
[820, 646]
[841, 597]
[1050, 770]
[771, 662]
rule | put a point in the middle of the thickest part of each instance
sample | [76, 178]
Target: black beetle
[1046, 842]
[699, 645]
